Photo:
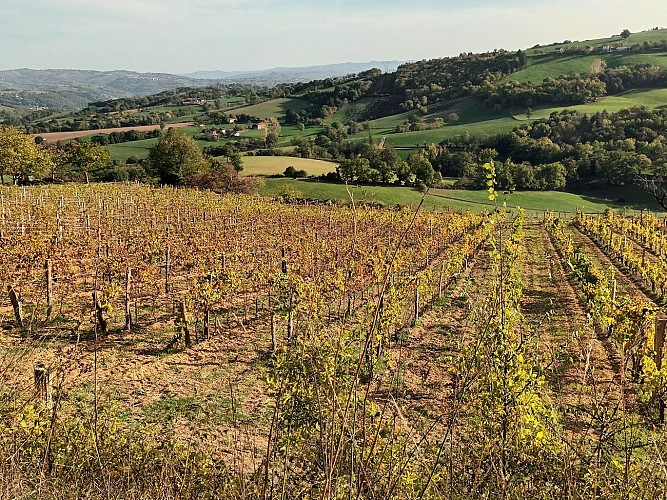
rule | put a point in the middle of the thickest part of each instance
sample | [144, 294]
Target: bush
[294, 173]
[224, 179]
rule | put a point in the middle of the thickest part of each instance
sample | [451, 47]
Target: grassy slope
[651, 98]
[138, 149]
[634, 38]
[553, 65]
[477, 119]
[545, 63]
[441, 199]
[274, 107]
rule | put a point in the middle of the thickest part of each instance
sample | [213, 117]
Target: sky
[182, 36]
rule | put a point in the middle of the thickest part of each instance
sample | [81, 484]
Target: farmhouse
[193, 100]
[259, 125]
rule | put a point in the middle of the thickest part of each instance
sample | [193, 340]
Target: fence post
[49, 289]
[128, 306]
[43, 384]
[658, 344]
[166, 270]
[16, 305]
[416, 301]
[184, 322]
[99, 313]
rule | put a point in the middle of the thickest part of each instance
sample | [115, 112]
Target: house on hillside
[259, 125]
[193, 100]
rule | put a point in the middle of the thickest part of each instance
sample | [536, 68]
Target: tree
[20, 157]
[87, 157]
[272, 140]
[222, 178]
[423, 170]
[453, 117]
[176, 158]
[294, 173]
[521, 57]
[655, 182]
[625, 33]
[551, 176]
[356, 169]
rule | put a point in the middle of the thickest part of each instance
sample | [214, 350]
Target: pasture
[650, 98]
[534, 202]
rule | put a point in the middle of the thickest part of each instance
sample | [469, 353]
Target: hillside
[63, 89]
[549, 132]
[27, 90]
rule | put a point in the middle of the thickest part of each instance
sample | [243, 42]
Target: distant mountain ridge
[116, 81]
[70, 89]
[28, 90]
[273, 76]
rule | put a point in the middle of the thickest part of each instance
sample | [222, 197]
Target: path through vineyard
[584, 369]
[423, 362]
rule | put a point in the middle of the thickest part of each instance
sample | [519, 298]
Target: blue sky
[180, 36]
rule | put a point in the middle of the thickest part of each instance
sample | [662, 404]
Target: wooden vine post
[207, 313]
[290, 318]
[128, 308]
[43, 389]
[272, 320]
[185, 323]
[290, 313]
[416, 302]
[16, 305]
[100, 318]
[49, 289]
[166, 269]
[658, 345]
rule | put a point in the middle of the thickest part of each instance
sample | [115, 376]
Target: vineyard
[162, 342]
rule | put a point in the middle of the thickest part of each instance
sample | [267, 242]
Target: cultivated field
[63, 136]
[174, 343]
[276, 165]
[272, 108]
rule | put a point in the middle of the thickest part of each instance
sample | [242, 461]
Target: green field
[651, 98]
[125, 150]
[476, 119]
[276, 165]
[274, 107]
[442, 199]
[634, 38]
[544, 62]
[140, 149]
[552, 65]
[434, 136]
